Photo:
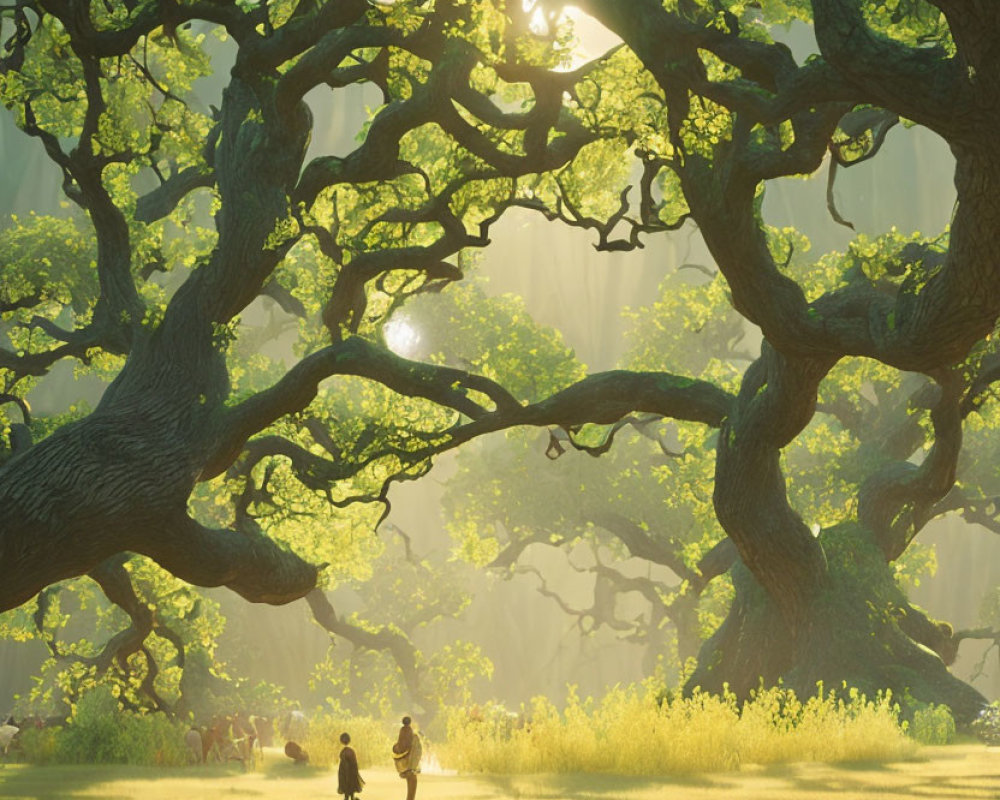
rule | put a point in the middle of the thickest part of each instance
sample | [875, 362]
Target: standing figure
[406, 755]
[348, 778]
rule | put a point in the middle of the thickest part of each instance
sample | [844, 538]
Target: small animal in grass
[295, 752]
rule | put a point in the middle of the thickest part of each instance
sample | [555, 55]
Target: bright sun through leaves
[401, 337]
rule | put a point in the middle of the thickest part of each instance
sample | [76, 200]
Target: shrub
[39, 745]
[932, 724]
[152, 739]
[99, 732]
[370, 738]
[633, 732]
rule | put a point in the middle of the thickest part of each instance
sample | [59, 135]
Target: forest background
[537, 642]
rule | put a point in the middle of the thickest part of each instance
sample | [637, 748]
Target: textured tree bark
[856, 635]
[776, 401]
[811, 610]
[119, 480]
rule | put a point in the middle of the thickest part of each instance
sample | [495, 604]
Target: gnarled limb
[115, 582]
[27, 301]
[511, 552]
[246, 561]
[600, 614]
[902, 487]
[641, 544]
[981, 634]
[397, 644]
[972, 26]
[110, 42]
[353, 356]
[858, 125]
[39, 363]
[602, 398]
[922, 84]
[933, 634]
[681, 610]
[162, 200]
[916, 330]
[20, 402]
[83, 168]
[776, 401]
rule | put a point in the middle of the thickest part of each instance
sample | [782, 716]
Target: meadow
[632, 743]
[954, 772]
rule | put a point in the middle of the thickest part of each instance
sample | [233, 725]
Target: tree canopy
[225, 467]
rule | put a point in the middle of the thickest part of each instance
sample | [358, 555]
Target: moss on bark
[851, 638]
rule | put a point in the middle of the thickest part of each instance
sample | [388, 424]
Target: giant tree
[729, 110]
[206, 452]
[188, 215]
[740, 111]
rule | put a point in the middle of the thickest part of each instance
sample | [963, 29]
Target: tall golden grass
[634, 731]
[371, 740]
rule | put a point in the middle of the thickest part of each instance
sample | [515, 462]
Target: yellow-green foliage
[39, 745]
[99, 732]
[633, 731]
[932, 724]
[370, 738]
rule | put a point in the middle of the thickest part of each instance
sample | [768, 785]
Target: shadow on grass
[900, 779]
[60, 781]
[590, 785]
[290, 771]
[945, 775]
[955, 773]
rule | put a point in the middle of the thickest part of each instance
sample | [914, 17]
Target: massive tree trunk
[120, 479]
[802, 612]
[825, 609]
[857, 633]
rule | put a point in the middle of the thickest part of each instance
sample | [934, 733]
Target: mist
[535, 646]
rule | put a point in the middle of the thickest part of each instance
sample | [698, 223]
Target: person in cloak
[349, 781]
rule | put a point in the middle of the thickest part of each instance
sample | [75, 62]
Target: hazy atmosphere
[545, 373]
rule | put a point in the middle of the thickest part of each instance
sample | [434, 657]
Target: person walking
[406, 754]
[349, 781]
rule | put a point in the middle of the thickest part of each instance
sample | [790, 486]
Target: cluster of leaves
[177, 670]
[98, 731]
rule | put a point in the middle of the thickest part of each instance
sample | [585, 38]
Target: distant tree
[640, 489]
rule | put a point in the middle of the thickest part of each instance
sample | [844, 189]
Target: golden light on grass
[632, 732]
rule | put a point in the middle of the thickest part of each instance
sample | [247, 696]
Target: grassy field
[960, 772]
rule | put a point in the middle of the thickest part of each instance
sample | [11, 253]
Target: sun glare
[401, 337]
[592, 39]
